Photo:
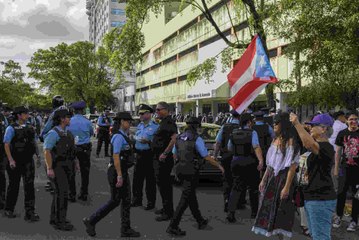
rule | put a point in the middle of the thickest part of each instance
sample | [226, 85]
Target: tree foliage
[74, 71]
[326, 34]
[15, 91]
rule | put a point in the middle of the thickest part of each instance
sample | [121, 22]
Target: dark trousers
[3, 162]
[26, 171]
[350, 179]
[164, 181]
[188, 198]
[244, 177]
[117, 195]
[63, 171]
[103, 136]
[144, 171]
[84, 156]
[227, 176]
[72, 180]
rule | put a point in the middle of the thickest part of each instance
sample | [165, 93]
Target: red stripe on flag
[248, 89]
[243, 63]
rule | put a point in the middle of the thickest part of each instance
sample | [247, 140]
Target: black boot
[90, 229]
[31, 217]
[130, 233]
[203, 224]
[231, 217]
[175, 231]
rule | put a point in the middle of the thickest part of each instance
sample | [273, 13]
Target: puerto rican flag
[250, 76]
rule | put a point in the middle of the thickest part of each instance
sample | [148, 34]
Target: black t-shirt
[350, 143]
[320, 184]
[163, 135]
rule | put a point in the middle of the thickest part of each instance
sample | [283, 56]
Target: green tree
[75, 71]
[124, 45]
[326, 34]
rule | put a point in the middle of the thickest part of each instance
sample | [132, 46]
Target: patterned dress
[276, 216]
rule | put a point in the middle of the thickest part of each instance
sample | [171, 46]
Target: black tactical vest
[264, 136]
[188, 163]
[104, 117]
[127, 158]
[227, 131]
[242, 142]
[23, 142]
[2, 131]
[65, 148]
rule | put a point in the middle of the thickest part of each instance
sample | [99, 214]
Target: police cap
[62, 113]
[143, 108]
[21, 109]
[258, 114]
[107, 109]
[78, 105]
[234, 113]
[265, 110]
[123, 116]
[245, 117]
[193, 120]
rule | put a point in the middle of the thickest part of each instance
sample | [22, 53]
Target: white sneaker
[352, 227]
[337, 222]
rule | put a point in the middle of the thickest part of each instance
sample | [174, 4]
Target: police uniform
[3, 161]
[120, 144]
[188, 149]
[21, 139]
[163, 169]
[222, 138]
[61, 143]
[144, 164]
[244, 164]
[104, 122]
[81, 129]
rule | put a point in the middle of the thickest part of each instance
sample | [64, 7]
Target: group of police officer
[157, 149]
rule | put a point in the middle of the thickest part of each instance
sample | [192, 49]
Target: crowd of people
[283, 164]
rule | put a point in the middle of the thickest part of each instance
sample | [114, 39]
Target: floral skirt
[275, 216]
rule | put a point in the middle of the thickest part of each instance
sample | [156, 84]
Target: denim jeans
[319, 216]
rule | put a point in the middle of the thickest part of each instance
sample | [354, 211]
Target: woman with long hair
[276, 211]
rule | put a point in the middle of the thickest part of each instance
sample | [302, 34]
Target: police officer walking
[144, 164]
[221, 146]
[162, 145]
[245, 167]
[20, 146]
[188, 149]
[104, 122]
[119, 181]
[60, 156]
[81, 129]
[3, 160]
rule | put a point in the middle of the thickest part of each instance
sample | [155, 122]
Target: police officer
[221, 146]
[188, 149]
[245, 167]
[119, 181]
[265, 133]
[81, 129]
[162, 145]
[104, 122]
[144, 164]
[3, 160]
[20, 146]
[59, 155]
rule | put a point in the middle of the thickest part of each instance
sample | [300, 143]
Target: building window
[117, 11]
[117, 23]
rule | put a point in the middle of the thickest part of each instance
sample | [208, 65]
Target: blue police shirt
[119, 143]
[200, 147]
[81, 127]
[10, 133]
[48, 126]
[255, 141]
[147, 132]
[220, 133]
[51, 138]
[270, 129]
[100, 121]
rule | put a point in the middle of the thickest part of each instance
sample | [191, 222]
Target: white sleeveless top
[276, 160]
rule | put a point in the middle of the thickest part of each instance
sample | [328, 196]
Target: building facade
[175, 42]
[104, 15]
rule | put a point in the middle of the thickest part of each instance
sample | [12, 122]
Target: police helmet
[57, 101]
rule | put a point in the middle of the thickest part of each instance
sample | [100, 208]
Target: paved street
[209, 196]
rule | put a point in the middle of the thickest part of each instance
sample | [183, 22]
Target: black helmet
[57, 101]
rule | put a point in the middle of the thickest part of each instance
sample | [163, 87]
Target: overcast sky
[27, 25]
